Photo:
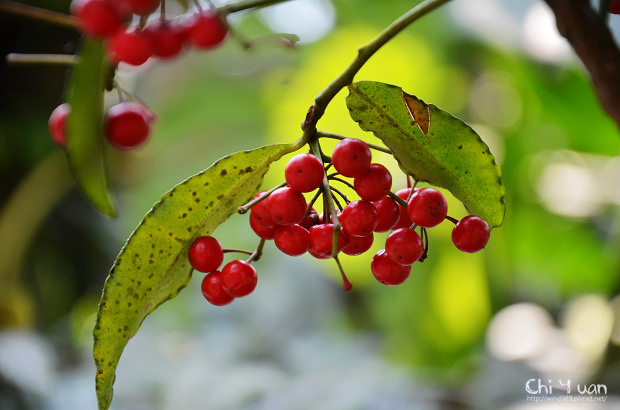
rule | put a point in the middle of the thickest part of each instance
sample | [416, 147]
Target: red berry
[388, 272]
[57, 124]
[614, 7]
[143, 7]
[322, 240]
[427, 207]
[286, 206]
[389, 214]
[351, 157]
[133, 47]
[374, 184]
[471, 234]
[97, 18]
[293, 240]
[259, 229]
[357, 245]
[206, 254]
[261, 212]
[166, 39]
[404, 220]
[359, 218]
[404, 246]
[304, 173]
[212, 290]
[238, 278]
[206, 30]
[311, 219]
[126, 125]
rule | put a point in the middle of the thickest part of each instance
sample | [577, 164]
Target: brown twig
[592, 41]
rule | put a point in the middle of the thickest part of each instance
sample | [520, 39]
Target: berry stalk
[37, 13]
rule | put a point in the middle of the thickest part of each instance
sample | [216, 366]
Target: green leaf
[85, 142]
[152, 267]
[431, 145]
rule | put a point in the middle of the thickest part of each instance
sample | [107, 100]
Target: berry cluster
[284, 216]
[127, 125]
[220, 287]
[163, 38]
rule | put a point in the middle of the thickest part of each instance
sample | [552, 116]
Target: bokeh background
[465, 331]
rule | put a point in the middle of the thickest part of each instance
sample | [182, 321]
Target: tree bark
[591, 39]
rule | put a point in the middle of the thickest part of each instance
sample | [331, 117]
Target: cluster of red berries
[284, 216]
[220, 287]
[163, 38]
[127, 125]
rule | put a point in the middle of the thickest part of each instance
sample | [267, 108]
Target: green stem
[243, 209]
[51, 59]
[37, 13]
[248, 4]
[398, 199]
[323, 134]
[322, 99]
[257, 253]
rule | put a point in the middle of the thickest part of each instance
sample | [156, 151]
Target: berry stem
[398, 199]
[342, 195]
[323, 134]
[315, 148]
[257, 253]
[249, 4]
[52, 59]
[231, 250]
[37, 13]
[334, 177]
[345, 281]
[245, 208]
[451, 219]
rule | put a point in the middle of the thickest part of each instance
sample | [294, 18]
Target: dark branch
[591, 39]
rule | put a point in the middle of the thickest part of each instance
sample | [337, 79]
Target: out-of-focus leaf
[85, 142]
[432, 146]
[153, 267]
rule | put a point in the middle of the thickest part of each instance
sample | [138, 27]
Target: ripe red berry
[389, 214]
[471, 234]
[166, 39]
[206, 30]
[261, 212]
[322, 240]
[142, 7]
[388, 272]
[614, 7]
[404, 246]
[359, 218]
[238, 278]
[304, 172]
[133, 47]
[357, 245]
[374, 184]
[404, 220]
[427, 207]
[293, 240]
[57, 124]
[126, 125]
[311, 219]
[286, 206]
[97, 18]
[351, 157]
[206, 254]
[261, 230]
[212, 290]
